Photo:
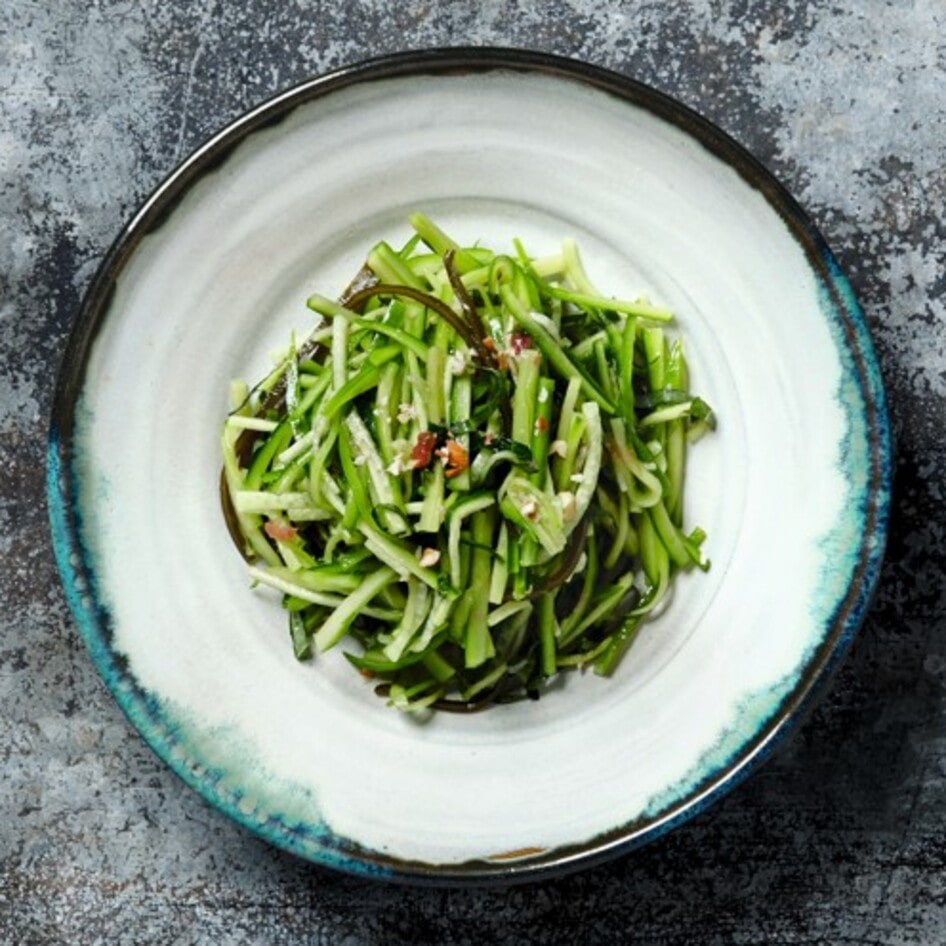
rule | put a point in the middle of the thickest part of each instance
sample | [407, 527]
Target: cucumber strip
[439, 668]
[336, 311]
[669, 535]
[250, 526]
[461, 402]
[436, 369]
[506, 611]
[540, 429]
[366, 379]
[396, 555]
[466, 507]
[265, 577]
[478, 642]
[602, 609]
[485, 682]
[440, 242]
[437, 620]
[591, 469]
[644, 484]
[574, 271]
[567, 411]
[585, 657]
[626, 368]
[319, 578]
[601, 303]
[292, 503]
[500, 573]
[360, 508]
[535, 512]
[379, 481]
[664, 415]
[274, 444]
[432, 511]
[415, 612]
[622, 521]
[337, 624]
[244, 422]
[556, 355]
[529, 364]
[390, 268]
[386, 410]
[548, 631]
[589, 583]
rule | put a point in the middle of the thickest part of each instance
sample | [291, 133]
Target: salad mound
[471, 472]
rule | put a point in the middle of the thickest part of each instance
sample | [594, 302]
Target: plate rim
[77, 577]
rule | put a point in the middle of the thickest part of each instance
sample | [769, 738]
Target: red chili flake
[367, 674]
[519, 341]
[541, 425]
[457, 459]
[280, 531]
[423, 451]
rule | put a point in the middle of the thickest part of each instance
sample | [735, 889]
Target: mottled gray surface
[839, 839]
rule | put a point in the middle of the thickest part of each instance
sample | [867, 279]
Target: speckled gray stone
[841, 838]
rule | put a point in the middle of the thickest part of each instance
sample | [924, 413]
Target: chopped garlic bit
[530, 509]
[569, 505]
[577, 478]
[401, 460]
[406, 412]
[360, 460]
[429, 557]
[547, 323]
[458, 361]
[559, 448]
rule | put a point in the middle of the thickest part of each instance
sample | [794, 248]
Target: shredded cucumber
[472, 472]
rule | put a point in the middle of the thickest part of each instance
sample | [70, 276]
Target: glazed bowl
[212, 274]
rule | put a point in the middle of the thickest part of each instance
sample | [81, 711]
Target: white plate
[212, 274]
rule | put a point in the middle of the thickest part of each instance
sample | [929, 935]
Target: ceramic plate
[212, 275]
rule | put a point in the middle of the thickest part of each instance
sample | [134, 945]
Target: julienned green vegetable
[473, 469]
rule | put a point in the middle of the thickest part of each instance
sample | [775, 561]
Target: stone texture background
[841, 838]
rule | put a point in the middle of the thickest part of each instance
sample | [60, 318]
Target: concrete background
[839, 839]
